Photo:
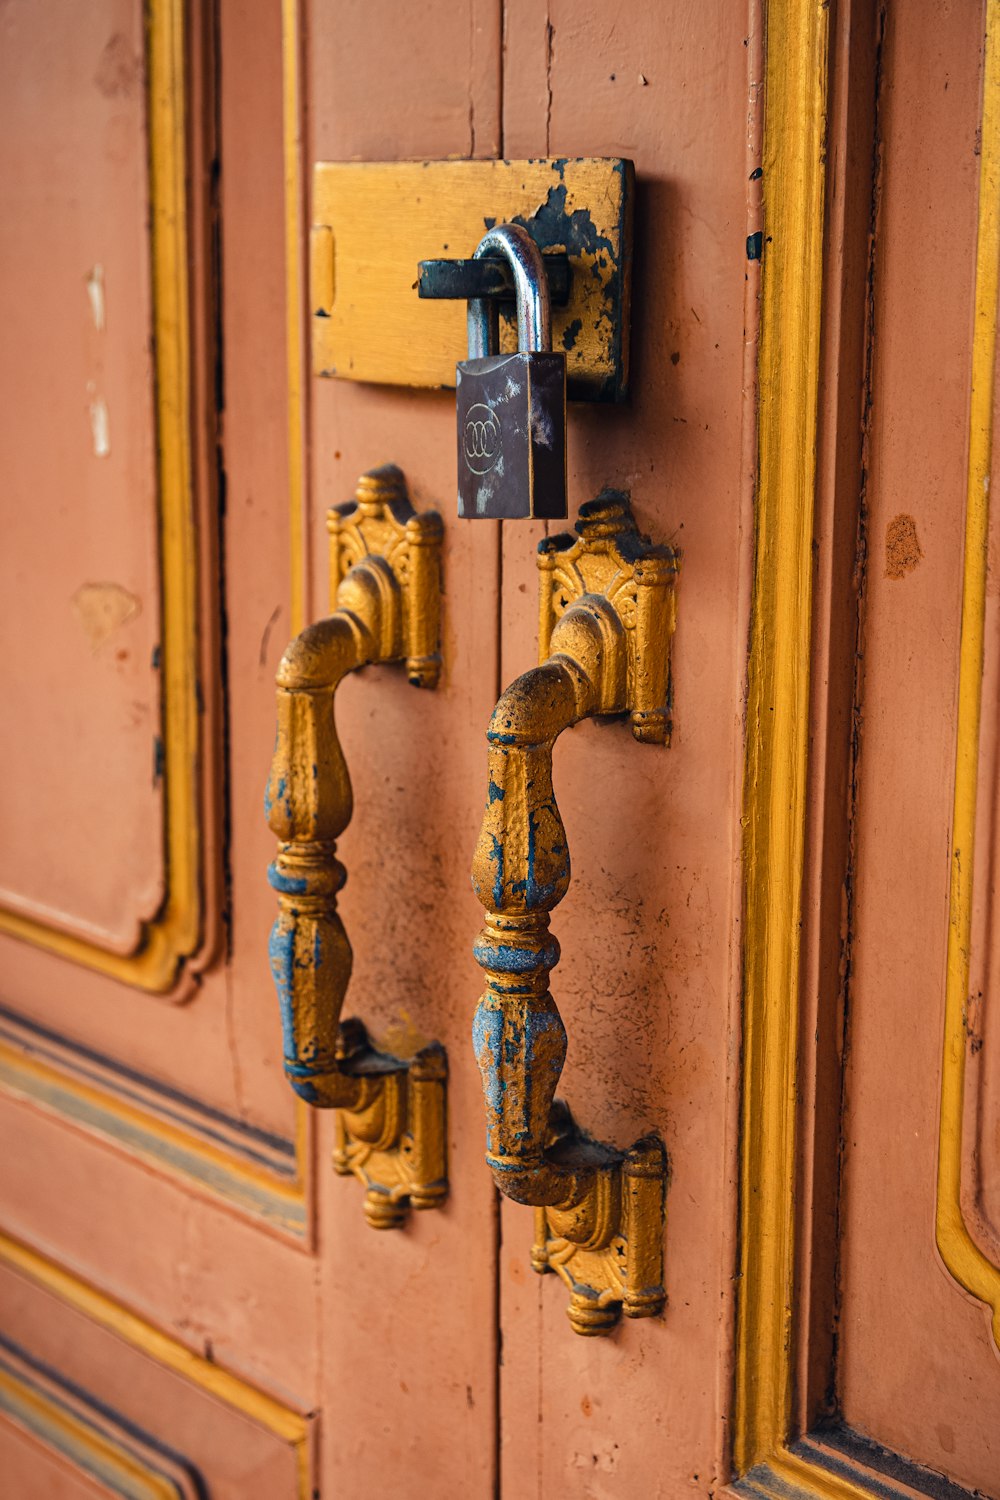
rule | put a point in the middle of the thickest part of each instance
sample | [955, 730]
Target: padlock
[512, 407]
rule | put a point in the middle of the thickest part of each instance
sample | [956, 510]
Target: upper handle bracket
[606, 555]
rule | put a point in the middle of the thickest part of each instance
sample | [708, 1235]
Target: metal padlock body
[512, 407]
[512, 436]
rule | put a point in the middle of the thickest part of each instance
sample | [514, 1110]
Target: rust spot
[586, 1406]
[902, 547]
[517, 1272]
[104, 608]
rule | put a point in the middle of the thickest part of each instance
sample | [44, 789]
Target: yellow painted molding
[295, 313]
[295, 317]
[179, 1149]
[775, 787]
[63, 1420]
[959, 1251]
[789, 1476]
[176, 932]
[290, 1426]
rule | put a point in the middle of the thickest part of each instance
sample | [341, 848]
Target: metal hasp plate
[374, 222]
[607, 620]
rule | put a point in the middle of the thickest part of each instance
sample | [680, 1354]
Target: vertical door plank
[409, 1321]
[647, 981]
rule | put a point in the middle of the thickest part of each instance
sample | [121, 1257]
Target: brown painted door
[754, 941]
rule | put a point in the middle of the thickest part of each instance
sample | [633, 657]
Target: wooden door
[755, 941]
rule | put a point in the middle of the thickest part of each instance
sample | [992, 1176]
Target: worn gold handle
[606, 625]
[385, 584]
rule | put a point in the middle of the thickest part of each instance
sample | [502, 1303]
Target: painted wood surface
[916, 1366]
[417, 773]
[175, 1243]
[645, 989]
[80, 634]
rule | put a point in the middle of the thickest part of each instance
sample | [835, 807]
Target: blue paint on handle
[286, 885]
[503, 958]
[487, 1034]
[281, 949]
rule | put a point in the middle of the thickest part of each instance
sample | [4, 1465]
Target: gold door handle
[385, 585]
[607, 618]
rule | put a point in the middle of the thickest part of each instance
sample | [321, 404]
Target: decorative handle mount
[607, 619]
[385, 583]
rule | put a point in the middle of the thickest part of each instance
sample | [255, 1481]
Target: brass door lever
[385, 563]
[607, 618]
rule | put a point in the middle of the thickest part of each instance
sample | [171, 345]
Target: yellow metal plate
[373, 222]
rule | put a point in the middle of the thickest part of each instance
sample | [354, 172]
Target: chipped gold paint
[606, 624]
[385, 587]
[374, 221]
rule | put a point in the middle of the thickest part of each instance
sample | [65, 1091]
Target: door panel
[645, 978]
[918, 1369]
[80, 634]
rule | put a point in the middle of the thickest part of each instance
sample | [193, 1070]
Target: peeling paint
[99, 427]
[103, 609]
[95, 291]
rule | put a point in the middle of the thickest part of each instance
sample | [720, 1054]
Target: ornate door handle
[385, 583]
[607, 617]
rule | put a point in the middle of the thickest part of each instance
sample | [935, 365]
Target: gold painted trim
[290, 1426]
[789, 1476]
[775, 786]
[180, 1151]
[65, 1422]
[295, 314]
[962, 1256]
[777, 738]
[176, 932]
[291, 50]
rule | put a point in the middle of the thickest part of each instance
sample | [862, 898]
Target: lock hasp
[373, 222]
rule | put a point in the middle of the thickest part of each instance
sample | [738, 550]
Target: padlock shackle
[531, 290]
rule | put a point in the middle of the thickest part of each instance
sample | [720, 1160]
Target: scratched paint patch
[103, 608]
[902, 547]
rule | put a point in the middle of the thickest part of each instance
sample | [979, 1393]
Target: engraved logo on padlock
[483, 438]
[512, 407]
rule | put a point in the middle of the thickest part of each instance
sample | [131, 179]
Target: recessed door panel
[82, 747]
